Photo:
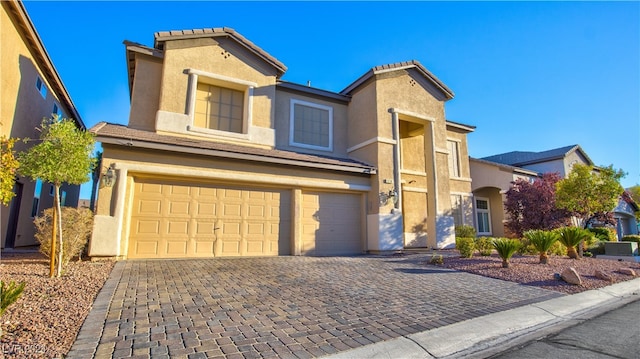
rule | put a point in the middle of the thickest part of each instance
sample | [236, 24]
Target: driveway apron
[287, 307]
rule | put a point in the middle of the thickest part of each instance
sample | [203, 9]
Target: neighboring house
[492, 177]
[625, 215]
[31, 90]
[222, 158]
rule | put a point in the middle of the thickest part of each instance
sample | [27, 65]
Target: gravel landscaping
[527, 271]
[44, 322]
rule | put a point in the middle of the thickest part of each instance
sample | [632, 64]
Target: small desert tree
[62, 156]
[8, 166]
[533, 205]
[589, 193]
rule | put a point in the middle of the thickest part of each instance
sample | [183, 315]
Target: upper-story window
[57, 111]
[454, 158]
[219, 105]
[311, 126]
[219, 108]
[41, 87]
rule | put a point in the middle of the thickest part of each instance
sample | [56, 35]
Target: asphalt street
[614, 334]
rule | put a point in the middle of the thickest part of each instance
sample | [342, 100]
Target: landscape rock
[627, 271]
[603, 275]
[571, 276]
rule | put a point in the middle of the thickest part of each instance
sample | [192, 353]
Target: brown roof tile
[120, 134]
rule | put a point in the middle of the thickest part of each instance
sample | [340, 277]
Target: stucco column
[296, 222]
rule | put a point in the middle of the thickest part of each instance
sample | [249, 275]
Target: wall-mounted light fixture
[385, 197]
[108, 178]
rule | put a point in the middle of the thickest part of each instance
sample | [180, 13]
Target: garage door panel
[331, 223]
[147, 248]
[177, 248]
[180, 220]
[147, 227]
[178, 227]
[149, 207]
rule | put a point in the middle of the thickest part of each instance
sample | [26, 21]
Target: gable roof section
[521, 158]
[124, 136]
[36, 45]
[133, 48]
[510, 168]
[162, 36]
[413, 64]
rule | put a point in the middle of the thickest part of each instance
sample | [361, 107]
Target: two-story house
[223, 158]
[31, 90]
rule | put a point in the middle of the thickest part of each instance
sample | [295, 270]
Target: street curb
[502, 330]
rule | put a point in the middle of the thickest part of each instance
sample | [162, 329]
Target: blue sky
[530, 76]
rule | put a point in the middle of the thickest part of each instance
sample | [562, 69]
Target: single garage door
[174, 220]
[331, 223]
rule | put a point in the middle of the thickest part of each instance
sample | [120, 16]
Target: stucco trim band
[239, 177]
[412, 114]
[371, 141]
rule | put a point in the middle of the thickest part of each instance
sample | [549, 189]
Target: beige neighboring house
[223, 158]
[31, 90]
[492, 177]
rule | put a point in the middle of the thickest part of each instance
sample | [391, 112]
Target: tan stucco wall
[22, 109]
[203, 169]
[496, 209]
[222, 57]
[283, 121]
[145, 93]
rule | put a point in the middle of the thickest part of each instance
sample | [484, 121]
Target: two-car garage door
[171, 220]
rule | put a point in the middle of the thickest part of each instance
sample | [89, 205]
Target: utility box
[621, 248]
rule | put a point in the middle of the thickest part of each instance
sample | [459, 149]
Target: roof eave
[43, 56]
[230, 155]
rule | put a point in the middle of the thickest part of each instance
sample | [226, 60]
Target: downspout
[395, 128]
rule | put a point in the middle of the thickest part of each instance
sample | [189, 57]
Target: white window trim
[457, 159]
[292, 142]
[487, 211]
[223, 81]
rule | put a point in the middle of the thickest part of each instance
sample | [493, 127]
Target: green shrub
[484, 245]
[604, 234]
[466, 246]
[465, 231]
[506, 247]
[571, 237]
[631, 238]
[436, 259]
[558, 249]
[9, 294]
[77, 224]
[542, 241]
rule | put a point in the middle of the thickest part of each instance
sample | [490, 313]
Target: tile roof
[400, 66]
[507, 167]
[125, 136]
[162, 36]
[519, 158]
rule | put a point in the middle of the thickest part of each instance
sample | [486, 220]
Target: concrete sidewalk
[488, 335]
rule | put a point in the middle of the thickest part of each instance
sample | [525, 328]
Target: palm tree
[542, 241]
[571, 237]
[506, 247]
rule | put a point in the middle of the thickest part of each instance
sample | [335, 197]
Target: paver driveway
[289, 307]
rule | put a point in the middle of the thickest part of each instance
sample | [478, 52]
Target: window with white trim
[311, 125]
[483, 216]
[454, 158]
[41, 87]
[219, 108]
[219, 105]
